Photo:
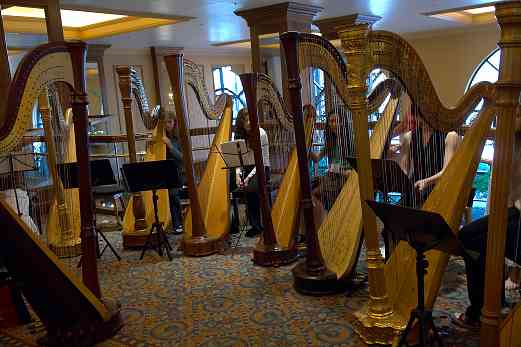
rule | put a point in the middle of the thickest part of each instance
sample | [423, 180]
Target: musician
[336, 148]
[424, 155]
[174, 153]
[247, 180]
[473, 236]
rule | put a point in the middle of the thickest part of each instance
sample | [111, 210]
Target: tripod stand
[153, 175]
[161, 240]
[420, 313]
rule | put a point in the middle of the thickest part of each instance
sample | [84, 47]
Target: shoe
[253, 232]
[463, 321]
[177, 231]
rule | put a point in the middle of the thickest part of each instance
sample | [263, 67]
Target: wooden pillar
[508, 90]
[54, 21]
[273, 19]
[255, 50]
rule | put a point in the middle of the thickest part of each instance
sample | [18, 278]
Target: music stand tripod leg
[109, 245]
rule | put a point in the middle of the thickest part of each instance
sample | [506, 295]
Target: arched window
[487, 70]
[227, 81]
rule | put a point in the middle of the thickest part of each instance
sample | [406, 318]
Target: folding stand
[424, 231]
[152, 175]
[234, 157]
[101, 174]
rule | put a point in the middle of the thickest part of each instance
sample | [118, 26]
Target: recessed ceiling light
[480, 10]
[70, 18]
[466, 15]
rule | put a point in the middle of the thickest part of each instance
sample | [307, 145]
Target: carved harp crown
[194, 77]
[41, 67]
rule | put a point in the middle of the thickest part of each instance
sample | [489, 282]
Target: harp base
[87, 332]
[136, 240]
[68, 251]
[200, 246]
[382, 329]
[319, 283]
[273, 255]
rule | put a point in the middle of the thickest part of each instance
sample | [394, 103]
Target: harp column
[377, 323]
[136, 237]
[507, 99]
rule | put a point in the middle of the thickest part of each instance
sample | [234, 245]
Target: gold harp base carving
[273, 255]
[67, 251]
[318, 283]
[140, 223]
[382, 329]
[90, 333]
[200, 246]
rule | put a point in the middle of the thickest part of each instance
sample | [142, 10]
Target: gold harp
[339, 245]
[366, 50]
[277, 246]
[207, 220]
[139, 212]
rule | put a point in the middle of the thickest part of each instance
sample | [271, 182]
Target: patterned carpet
[224, 300]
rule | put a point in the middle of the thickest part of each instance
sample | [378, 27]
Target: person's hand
[346, 173]
[313, 156]
[246, 181]
[167, 141]
[421, 185]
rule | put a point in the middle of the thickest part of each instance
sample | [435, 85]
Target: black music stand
[388, 176]
[235, 157]
[101, 174]
[424, 231]
[152, 175]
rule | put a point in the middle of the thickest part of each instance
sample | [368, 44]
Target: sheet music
[232, 150]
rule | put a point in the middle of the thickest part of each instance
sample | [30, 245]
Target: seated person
[174, 153]
[424, 155]
[336, 148]
[473, 236]
[247, 179]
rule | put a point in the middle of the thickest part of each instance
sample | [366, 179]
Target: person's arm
[452, 141]
[405, 152]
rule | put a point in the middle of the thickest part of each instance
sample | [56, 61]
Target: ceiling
[214, 20]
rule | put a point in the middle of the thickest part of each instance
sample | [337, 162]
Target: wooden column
[508, 90]
[273, 19]
[54, 21]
